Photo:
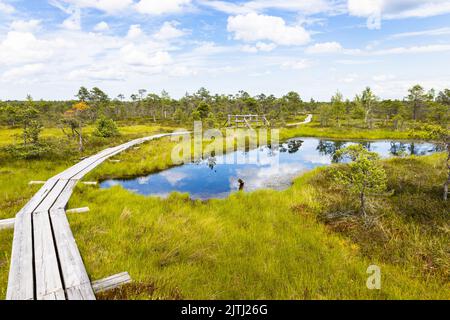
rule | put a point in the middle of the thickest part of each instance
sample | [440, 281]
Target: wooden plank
[78, 210]
[7, 223]
[81, 292]
[70, 172]
[90, 183]
[36, 182]
[111, 282]
[79, 175]
[48, 277]
[39, 196]
[20, 281]
[247, 123]
[59, 295]
[65, 195]
[52, 196]
[71, 264]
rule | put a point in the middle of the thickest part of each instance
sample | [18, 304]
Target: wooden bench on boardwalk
[45, 262]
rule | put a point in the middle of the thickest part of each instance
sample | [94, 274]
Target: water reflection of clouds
[173, 177]
[143, 180]
[317, 158]
[262, 156]
[111, 183]
[275, 177]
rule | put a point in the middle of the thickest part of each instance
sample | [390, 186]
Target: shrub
[30, 151]
[106, 128]
[364, 176]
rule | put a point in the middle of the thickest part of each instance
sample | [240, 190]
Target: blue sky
[49, 48]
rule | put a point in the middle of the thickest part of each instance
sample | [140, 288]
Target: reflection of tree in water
[272, 149]
[291, 146]
[212, 161]
[412, 149]
[398, 148]
[294, 145]
[367, 145]
[329, 148]
[416, 149]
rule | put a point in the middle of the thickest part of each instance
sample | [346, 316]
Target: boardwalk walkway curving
[45, 262]
[307, 120]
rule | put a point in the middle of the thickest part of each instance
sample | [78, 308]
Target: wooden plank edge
[7, 224]
[36, 182]
[79, 210]
[90, 183]
[111, 282]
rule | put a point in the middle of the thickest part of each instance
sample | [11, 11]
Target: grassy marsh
[241, 247]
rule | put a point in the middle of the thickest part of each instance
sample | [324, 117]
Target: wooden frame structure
[247, 120]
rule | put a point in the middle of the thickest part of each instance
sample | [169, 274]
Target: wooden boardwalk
[45, 262]
[307, 120]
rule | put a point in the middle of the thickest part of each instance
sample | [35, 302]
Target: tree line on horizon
[94, 106]
[417, 105]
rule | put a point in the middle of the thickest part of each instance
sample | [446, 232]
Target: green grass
[12, 135]
[410, 226]
[6, 237]
[266, 244]
[239, 248]
[355, 131]
[242, 248]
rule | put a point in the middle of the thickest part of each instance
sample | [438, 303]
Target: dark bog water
[265, 167]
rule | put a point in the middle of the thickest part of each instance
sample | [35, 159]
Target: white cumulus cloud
[157, 7]
[25, 25]
[139, 56]
[134, 31]
[303, 7]
[376, 10]
[259, 46]
[169, 31]
[109, 6]
[6, 8]
[18, 73]
[297, 65]
[101, 26]
[257, 27]
[325, 47]
[23, 47]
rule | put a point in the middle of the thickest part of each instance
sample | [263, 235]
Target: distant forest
[417, 105]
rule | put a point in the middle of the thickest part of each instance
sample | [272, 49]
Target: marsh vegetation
[309, 241]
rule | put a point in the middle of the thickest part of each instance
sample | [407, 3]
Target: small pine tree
[364, 176]
[75, 118]
[106, 128]
[325, 114]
